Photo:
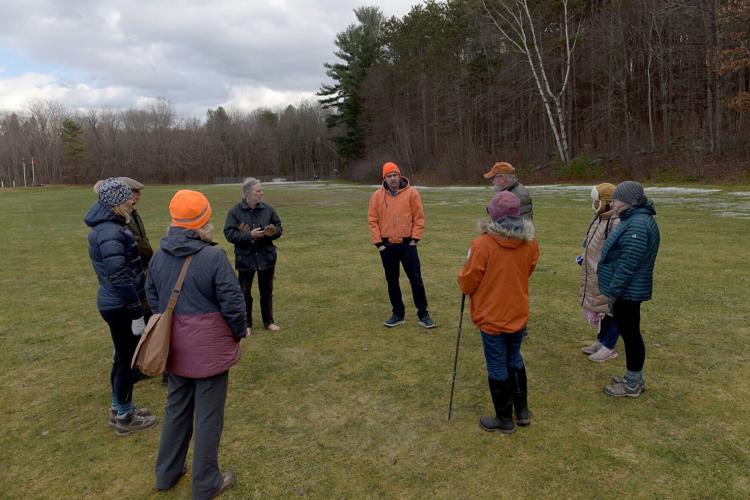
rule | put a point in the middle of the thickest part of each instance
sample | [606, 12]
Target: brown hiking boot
[229, 478]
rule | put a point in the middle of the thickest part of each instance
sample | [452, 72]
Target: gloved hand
[244, 228]
[579, 260]
[270, 230]
[138, 326]
[381, 248]
[413, 243]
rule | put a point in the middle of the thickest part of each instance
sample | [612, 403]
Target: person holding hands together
[251, 226]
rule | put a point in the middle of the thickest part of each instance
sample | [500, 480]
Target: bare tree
[514, 21]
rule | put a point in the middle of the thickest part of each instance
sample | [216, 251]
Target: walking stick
[455, 359]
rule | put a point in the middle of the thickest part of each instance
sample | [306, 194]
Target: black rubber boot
[501, 399]
[520, 401]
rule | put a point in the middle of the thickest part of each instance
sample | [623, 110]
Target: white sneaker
[591, 349]
[603, 355]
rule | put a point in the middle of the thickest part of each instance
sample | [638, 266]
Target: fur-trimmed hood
[508, 227]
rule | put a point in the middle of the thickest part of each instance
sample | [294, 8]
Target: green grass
[338, 405]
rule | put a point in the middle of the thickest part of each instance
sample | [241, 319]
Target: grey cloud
[191, 53]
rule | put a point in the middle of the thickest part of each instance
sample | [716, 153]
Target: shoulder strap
[178, 286]
[586, 238]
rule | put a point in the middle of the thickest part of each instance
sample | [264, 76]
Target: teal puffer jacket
[626, 267]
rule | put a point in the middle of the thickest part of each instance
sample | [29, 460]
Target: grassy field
[336, 405]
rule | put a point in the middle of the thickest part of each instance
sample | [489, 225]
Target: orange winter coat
[393, 218]
[496, 274]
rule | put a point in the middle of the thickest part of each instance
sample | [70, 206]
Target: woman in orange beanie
[208, 323]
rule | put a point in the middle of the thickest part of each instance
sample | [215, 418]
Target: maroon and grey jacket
[209, 319]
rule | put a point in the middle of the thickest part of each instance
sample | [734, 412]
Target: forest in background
[563, 89]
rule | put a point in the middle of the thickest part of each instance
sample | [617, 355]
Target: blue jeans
[608, 332]
[503, 353]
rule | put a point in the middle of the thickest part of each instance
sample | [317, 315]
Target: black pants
[628, 317]
[193, 399]
[393, 257]
[265, 286]
[121, 377]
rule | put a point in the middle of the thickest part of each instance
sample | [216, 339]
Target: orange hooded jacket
[394, 218]
[496, 274]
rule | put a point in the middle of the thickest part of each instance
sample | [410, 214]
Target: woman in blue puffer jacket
[626, 274]
[114, 255]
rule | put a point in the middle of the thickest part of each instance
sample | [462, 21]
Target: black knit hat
[630, 192]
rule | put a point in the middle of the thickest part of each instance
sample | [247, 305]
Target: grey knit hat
[630, 192]
[114, 192]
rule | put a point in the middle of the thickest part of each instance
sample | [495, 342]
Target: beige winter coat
[589, 296]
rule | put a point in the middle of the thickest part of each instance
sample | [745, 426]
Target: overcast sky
[199, 54]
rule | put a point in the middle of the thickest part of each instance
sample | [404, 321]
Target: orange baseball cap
[189, 209]
[389, 167]
[501, 167]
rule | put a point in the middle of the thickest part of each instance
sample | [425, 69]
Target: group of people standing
[616, 276]
[214, 310]
[617, 266]
[212, 315]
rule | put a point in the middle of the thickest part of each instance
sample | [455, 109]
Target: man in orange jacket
[495, 276]
[396, 220]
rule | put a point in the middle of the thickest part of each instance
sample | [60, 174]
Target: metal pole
[455, 358]
[33, 176]
[24, 172]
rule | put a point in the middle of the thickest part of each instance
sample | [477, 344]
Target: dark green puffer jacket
[626, 267]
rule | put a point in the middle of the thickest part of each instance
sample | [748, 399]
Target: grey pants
[202, 398]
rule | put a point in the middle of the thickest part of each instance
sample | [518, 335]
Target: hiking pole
[455, 359]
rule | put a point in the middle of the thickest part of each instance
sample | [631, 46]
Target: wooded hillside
[564, 89]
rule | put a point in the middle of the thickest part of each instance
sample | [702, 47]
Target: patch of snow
[680, 190]
[739, 193]
[560, 187]
[737, 215]
[453, 188]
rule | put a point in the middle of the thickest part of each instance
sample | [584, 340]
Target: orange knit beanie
[389, 167]
[189, 209]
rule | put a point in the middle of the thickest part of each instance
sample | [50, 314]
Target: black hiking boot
[501, 399]
[519, 390]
